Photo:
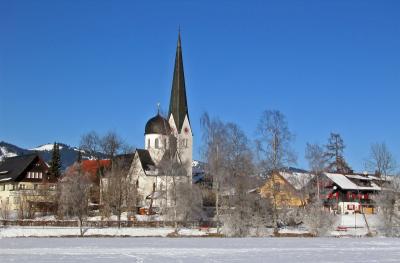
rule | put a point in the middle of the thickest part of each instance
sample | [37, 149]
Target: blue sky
[69, 67]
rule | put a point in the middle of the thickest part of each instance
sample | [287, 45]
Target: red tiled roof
[92, 166]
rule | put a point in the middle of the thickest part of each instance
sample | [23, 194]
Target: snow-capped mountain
[68, 153]
[10, 150]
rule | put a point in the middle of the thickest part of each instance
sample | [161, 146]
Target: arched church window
[156, 144]
[148, 143]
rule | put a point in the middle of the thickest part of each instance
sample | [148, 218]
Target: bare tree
[74, 193]
[381, 160]
[214, 143]
[274, 149]
[240, 181]
[5, 209]
[316, 162]
[172, 171]
[117, 190]
[24, 208]
[388, 202]
[91, 144]
[189, 205]
[318, 221]
[334, 154]
[111, 144]
[98, 147]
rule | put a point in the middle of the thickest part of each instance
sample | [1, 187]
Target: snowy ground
[110, 231]
[199, 250]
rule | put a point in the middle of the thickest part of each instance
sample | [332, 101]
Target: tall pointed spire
[178, 107]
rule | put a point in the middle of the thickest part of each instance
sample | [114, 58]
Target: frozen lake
[199, 250]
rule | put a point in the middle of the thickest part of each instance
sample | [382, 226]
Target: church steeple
[178, 107]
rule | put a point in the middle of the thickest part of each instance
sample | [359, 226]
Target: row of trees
[237, 169]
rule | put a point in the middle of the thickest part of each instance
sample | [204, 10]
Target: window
[40, 175]
[148, 143]
[165, 143]
[277, 186]
[156, 144]
[2, 187]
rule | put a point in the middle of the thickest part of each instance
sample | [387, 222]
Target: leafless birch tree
[316, 162]
[214, 143]
[381, 160]
[388, 202]
[74, 194]
[274, 150]
[118, 191]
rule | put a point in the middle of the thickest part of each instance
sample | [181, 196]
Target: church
[166, 159]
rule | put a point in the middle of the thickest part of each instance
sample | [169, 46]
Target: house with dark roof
[26, 186]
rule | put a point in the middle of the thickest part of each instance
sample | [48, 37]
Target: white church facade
[166, 159]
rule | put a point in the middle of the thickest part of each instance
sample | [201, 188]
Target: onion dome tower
[156, 135]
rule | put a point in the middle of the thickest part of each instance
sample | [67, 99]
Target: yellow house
[26, 186]
[287, 189]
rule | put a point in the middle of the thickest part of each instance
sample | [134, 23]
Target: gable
[14, 168]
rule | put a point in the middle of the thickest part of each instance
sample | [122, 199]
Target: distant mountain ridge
[68, 153]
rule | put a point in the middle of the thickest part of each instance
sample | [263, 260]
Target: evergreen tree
[55, 163]
[334, 155]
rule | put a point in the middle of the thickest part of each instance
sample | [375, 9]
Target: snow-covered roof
[297, 180]
[5, 179]
[346, 184]
[360, 177]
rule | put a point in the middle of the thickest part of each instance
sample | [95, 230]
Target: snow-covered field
[108, 232]
[199, 250]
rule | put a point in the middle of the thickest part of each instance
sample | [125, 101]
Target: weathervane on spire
[158, 108]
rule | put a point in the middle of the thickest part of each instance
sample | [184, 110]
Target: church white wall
[156, 144]
[185, 142]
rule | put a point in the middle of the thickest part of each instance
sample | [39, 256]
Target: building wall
[184, 143]
[286, 195]
[13, 193]
[146, 181]
[150, 145]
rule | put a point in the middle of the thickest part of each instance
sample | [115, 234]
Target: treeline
[237, 168]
